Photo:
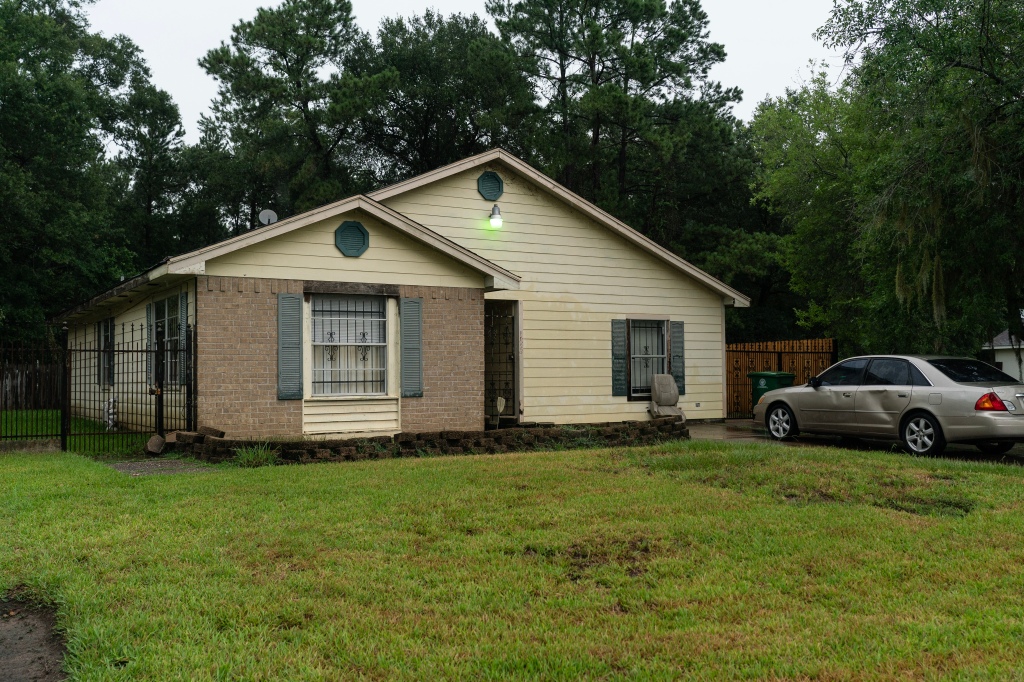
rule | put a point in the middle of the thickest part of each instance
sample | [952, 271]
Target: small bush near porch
[687, 559]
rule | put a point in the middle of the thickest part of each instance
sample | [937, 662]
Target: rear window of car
[969, 371]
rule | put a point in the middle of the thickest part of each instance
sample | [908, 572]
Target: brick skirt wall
[237, 357]
[453, 361]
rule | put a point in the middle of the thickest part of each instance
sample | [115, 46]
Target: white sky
[768, 42]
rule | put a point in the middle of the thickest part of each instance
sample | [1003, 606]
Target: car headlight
[761, 400]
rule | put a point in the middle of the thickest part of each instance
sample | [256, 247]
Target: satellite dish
[268, 217]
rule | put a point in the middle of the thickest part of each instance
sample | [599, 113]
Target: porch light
[495, 217]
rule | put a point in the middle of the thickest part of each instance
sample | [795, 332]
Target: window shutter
[149, 343]
[410, 314]
[619, 358]
[182, 336]
[677, 360]
[289, 346]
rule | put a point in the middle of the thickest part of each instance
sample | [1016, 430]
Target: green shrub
[256, 455]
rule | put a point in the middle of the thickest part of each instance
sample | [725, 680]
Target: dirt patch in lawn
[156, 467]
[30, 648]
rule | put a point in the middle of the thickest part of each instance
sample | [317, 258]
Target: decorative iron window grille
[349, 345]
[647, 355]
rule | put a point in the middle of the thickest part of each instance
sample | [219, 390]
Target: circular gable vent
[352, 239]
[490, 185]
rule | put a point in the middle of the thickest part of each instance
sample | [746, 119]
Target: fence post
[190, 381]
[161, 370]
[65, 384]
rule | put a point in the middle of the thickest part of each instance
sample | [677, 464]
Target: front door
[830, 407]
[500, 362]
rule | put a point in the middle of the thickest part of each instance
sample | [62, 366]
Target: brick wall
[236, 323]
[453, 361]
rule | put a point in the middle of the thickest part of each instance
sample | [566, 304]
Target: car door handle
[902, 395]
[847, 395]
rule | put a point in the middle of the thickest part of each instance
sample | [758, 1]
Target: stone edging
[609, 434]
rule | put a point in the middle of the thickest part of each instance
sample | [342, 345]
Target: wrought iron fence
[106, 390]
[805, 358]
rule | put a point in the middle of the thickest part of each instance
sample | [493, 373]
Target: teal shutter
[410, 312]
[289, 346]
[149, 343]
[619, 358]
[182, 336]
[677, 359]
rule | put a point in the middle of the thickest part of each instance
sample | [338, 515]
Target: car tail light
[990, 402]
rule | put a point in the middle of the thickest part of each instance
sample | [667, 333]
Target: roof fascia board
[730, 296]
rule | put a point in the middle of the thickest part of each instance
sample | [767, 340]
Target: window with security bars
[349, 345]
[647, 354]
[168, 330]
[105, 346]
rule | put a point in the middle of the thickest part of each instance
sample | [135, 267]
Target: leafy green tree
[903, 185]
[287, 110]
[454, 90]
[65, 95]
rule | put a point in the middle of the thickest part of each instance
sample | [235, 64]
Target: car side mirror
[815, 382]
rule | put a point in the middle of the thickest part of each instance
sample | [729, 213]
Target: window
[105, 356]
[966, 371]
[349, 345]
[847, 373]
[917, 377]
[888, 372]
[167, 329]
[647, 354]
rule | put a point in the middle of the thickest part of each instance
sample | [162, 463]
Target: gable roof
[731, 296]
[497, 277]
[194, 262]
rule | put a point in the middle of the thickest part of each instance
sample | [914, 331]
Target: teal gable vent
[352, 239]
[490, 185]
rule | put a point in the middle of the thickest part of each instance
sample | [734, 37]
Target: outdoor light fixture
[495, 216]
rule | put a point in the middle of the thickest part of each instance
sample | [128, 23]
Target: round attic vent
[490, 185]
[352, 239]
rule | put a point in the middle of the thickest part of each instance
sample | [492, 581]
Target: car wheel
[780, 422]
[922, 434]
[995, 448]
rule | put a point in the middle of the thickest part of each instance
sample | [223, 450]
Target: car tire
[922, 435]
[780, 422]
[995, 447]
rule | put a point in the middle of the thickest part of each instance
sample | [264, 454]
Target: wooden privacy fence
[804, 358]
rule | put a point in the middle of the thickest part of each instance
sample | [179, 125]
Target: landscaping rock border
[608, 434]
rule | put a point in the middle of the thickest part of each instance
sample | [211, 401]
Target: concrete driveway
[745, 430]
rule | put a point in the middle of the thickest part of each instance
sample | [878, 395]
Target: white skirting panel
[322, 417]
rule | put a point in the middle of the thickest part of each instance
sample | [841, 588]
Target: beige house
[1004, 355]
[479, 293]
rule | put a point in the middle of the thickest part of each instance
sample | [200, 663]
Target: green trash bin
[762, 382]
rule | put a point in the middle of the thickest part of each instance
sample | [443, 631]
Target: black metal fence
[103, 389]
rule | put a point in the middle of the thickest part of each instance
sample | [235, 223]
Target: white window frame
[172, 339]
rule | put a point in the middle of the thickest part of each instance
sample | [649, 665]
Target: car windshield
[967, 371]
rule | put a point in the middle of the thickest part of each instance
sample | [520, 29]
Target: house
[1003, 355]
[480, 293]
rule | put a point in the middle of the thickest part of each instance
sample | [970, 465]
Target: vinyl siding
[576, 277]
[136, 409]
[309, 253]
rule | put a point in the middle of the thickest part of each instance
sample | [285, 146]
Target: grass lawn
[698, 559]
[33, 424]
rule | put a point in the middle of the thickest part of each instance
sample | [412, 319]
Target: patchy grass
[698, 559]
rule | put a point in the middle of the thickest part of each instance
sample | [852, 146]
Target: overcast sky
[768, 42]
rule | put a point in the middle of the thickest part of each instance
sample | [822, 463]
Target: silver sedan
[925, 401]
